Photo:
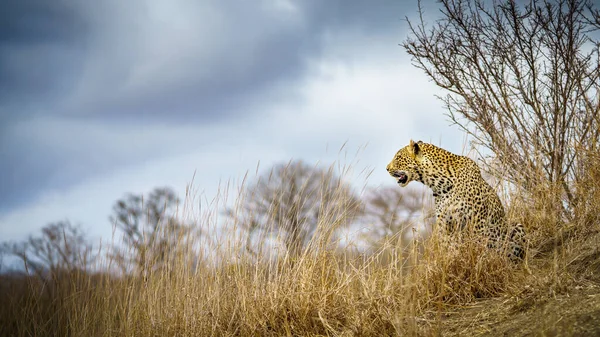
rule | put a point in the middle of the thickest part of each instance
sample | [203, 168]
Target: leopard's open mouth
[402, 177]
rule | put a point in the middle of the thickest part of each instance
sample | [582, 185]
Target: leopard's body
[462, 197]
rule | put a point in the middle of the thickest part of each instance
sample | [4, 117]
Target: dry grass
[326, 290]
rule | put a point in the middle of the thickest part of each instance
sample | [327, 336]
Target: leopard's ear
[414, 149]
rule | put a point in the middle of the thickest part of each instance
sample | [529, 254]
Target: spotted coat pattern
[462, 196]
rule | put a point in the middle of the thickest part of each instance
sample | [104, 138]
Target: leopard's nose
[388, 167]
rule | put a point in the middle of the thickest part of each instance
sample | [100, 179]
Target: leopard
[462, 198]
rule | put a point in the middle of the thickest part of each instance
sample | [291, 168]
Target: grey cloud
[106, 62]
[39, 42]
[53, 50]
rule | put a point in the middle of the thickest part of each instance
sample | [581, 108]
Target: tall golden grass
[328, 289]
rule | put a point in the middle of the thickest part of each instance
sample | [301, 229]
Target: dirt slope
[570, 306]
[574, 314]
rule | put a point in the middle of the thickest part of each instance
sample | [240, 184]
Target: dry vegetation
[321, 291]
[286, 270]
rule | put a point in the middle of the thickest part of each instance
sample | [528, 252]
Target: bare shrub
[60, 247]
[289, 201]
[152, 234]
[57, 269]
[523, 81]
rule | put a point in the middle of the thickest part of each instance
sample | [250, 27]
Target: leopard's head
[405, 165]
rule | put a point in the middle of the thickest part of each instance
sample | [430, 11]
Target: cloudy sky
[102, 98]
